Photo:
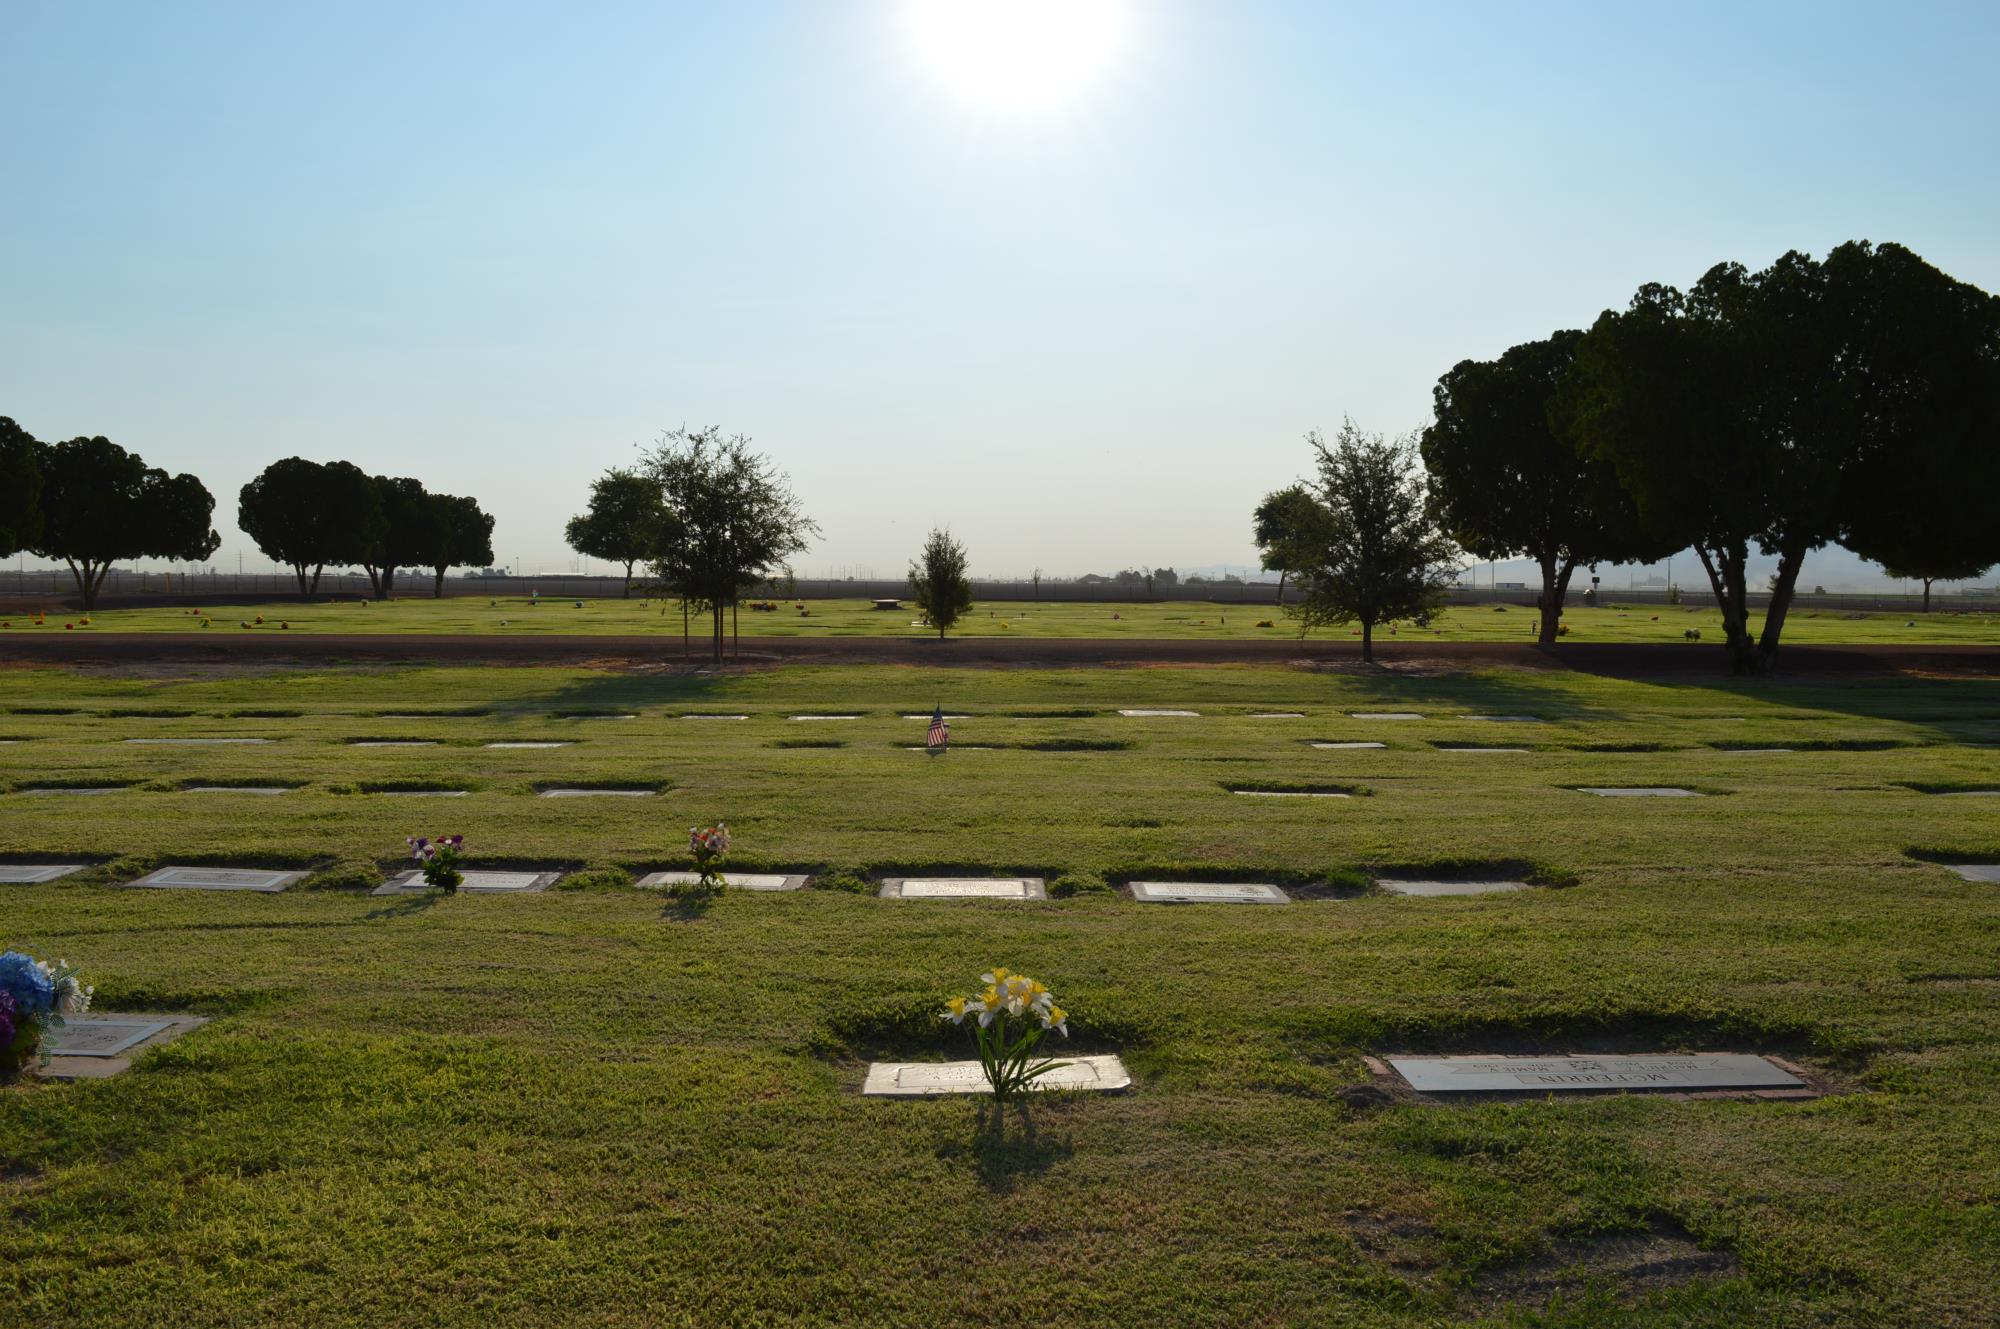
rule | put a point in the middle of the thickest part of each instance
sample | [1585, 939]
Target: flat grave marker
[475, 883]
[421, 793]
[251, 790]
[949, 715]
[1987, 872]
[1637, 791]
[265, 880]
[1345, 747]
[1277, 715]
[596, 793]
[1208, 892]
[741, 881]
[1470, 747]
[963, 888]
[33, 874]
[1434, 889]
[714, 717]
[1970, 793]
[1756, 752]
[196, 742]
[393, 743]
[1507, 719]
[1672, 1072]
[929, 1079]
[531, 745]
[100, 1044]
[1289, 793]
[81, 791]
[844, 716]
[1146, 713]
[955, 747]
[1383, 715]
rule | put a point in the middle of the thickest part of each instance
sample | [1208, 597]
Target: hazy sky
[495, 246]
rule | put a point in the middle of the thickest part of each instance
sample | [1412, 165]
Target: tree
[20, 488]
[457, 534]
[1166, 576]
[625, 522]
[403, 535]
[1282, 525]
[1507, 484]
[308, 515]
[101, 503]
[938, 582]
[1375, 552]
[1758, 408]
[735, 519]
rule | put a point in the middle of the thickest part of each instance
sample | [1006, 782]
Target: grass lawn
[592, 1106]
[856, 618]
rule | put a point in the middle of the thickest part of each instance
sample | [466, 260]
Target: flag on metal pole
[940, 734]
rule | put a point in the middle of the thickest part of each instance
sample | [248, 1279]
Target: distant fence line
[127, 588]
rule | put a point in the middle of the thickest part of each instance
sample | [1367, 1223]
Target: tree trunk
[317, 569]
[735, 632]
[299, 571]
[715, 620]
[85, 588]
[437, 587]
[1725, 569]
[684, 629]
[1790, 563]
[388, 582]
[1927, 595]
[1281, 588]
[1555, 587]
[628, 577]
[1368, 641]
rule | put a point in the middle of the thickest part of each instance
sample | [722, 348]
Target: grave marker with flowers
[438, 860]
[1010, 1017]
[35, 996]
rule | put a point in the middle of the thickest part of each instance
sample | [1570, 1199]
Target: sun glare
[1016, 56]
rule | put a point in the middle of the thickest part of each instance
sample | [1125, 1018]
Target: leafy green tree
[1375, 553]
[626, 521]
[938, 582]
[101, 503]
[1507, 484]
[734, 521]
[308, 515]
[20, 488]
[1284, 524]
[404, 535]
[457, 534]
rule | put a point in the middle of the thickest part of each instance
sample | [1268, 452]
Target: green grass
[594, 1106]
[856, 618]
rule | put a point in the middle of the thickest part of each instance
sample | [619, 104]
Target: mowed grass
[591, 1106]
[858, 618]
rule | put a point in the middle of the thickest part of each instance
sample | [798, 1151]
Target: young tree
[307, 515]
[101, 503]
[735, 519]
[20, 488]
[457, 534]
[1377, 553]
[625, 521]
[1506, 483]
[1285, 526]
[938, 582]
[403, 534]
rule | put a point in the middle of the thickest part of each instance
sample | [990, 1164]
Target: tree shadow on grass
[405, 905]
[686, 908]
[1001, 1156]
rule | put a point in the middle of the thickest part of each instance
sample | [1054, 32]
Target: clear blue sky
[494, 246]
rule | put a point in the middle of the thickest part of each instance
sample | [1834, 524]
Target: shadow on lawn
[406, 905]
[1000, 1158]
[619, 692]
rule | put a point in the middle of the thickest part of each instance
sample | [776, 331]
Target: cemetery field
[459, 615]
[596, 1105]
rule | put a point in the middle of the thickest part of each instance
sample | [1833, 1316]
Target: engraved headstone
[1142, 712]
[1340, 747]
[714, 717]
[220, 879]
[101, 1035]
[394, 743]
[195, 742]
[531, 745]
[1527, 1075]
[1989, 872]
[1277, 715]
[1289, 793]
[1384, 715]
[597, 793]
[929, 1079]
[1407, 886]
[963, 888]
[80, 791]
[742, 881]
[1208, 892]
[29, 874]
[845, 716]
[253, 790]
[477, 883]
[1638, 791]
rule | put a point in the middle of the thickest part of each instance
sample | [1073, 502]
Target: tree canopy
[457, 533]
[309, 515]
[101, 503]
[938, 582]
[1285, 526]
[1506, 483]
[626, 522]
[403, 537]
[1376, 552]
[20, 488]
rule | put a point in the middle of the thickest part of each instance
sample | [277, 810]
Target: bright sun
[1016, 56]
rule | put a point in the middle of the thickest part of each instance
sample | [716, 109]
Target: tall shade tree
[938, 582]
[1749, 411]
[625, 523]
[101, 503]
[1375, 552]
[736, 520]
[308, 515]
[1506, 484]
[403, 535]
[20, 488]
[1282, 526]
[457, 533]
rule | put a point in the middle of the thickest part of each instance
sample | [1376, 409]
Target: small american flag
[940, 733]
